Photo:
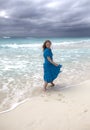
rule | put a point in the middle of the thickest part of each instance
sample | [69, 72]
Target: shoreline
[68, 109]
[28, 99]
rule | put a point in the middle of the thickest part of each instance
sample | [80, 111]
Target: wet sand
[67, 109]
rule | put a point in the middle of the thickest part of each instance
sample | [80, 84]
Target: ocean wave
[59, 43]
[19, 45]
[6, 37]
[14, 106]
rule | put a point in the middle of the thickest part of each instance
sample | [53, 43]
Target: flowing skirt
[51, 72]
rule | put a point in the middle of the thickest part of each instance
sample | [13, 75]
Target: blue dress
[50, 71]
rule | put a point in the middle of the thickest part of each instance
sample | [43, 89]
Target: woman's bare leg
[45, 85]
[52, 84]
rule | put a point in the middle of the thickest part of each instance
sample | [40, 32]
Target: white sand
[68, 109]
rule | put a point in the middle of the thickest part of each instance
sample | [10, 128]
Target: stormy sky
[45, 18]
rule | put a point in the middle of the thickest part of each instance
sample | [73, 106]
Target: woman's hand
[50, 60]
[56, 64]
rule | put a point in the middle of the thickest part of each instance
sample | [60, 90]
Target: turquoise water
[30, 40]
[21, 66]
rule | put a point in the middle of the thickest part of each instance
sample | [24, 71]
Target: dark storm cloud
[44, 18]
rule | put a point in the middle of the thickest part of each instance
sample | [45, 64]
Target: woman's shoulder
[47, 50]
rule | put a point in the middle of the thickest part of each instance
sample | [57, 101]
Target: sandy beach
[67, 109]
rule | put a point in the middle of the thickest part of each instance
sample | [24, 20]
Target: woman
[51, 69]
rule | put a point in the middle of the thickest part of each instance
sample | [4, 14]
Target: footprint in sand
[61, 97]
[86, 110]
[46, 100]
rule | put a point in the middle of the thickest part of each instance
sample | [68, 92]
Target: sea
[21, 66]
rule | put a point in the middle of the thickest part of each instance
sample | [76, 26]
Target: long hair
[44, 44]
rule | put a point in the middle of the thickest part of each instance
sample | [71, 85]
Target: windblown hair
[44, 44]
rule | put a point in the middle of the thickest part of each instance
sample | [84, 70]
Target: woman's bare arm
[50, 60]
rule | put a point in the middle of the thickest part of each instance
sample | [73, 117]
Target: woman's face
[48, 44]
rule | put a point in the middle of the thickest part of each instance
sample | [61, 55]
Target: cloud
[3, 14]
[44, 18]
